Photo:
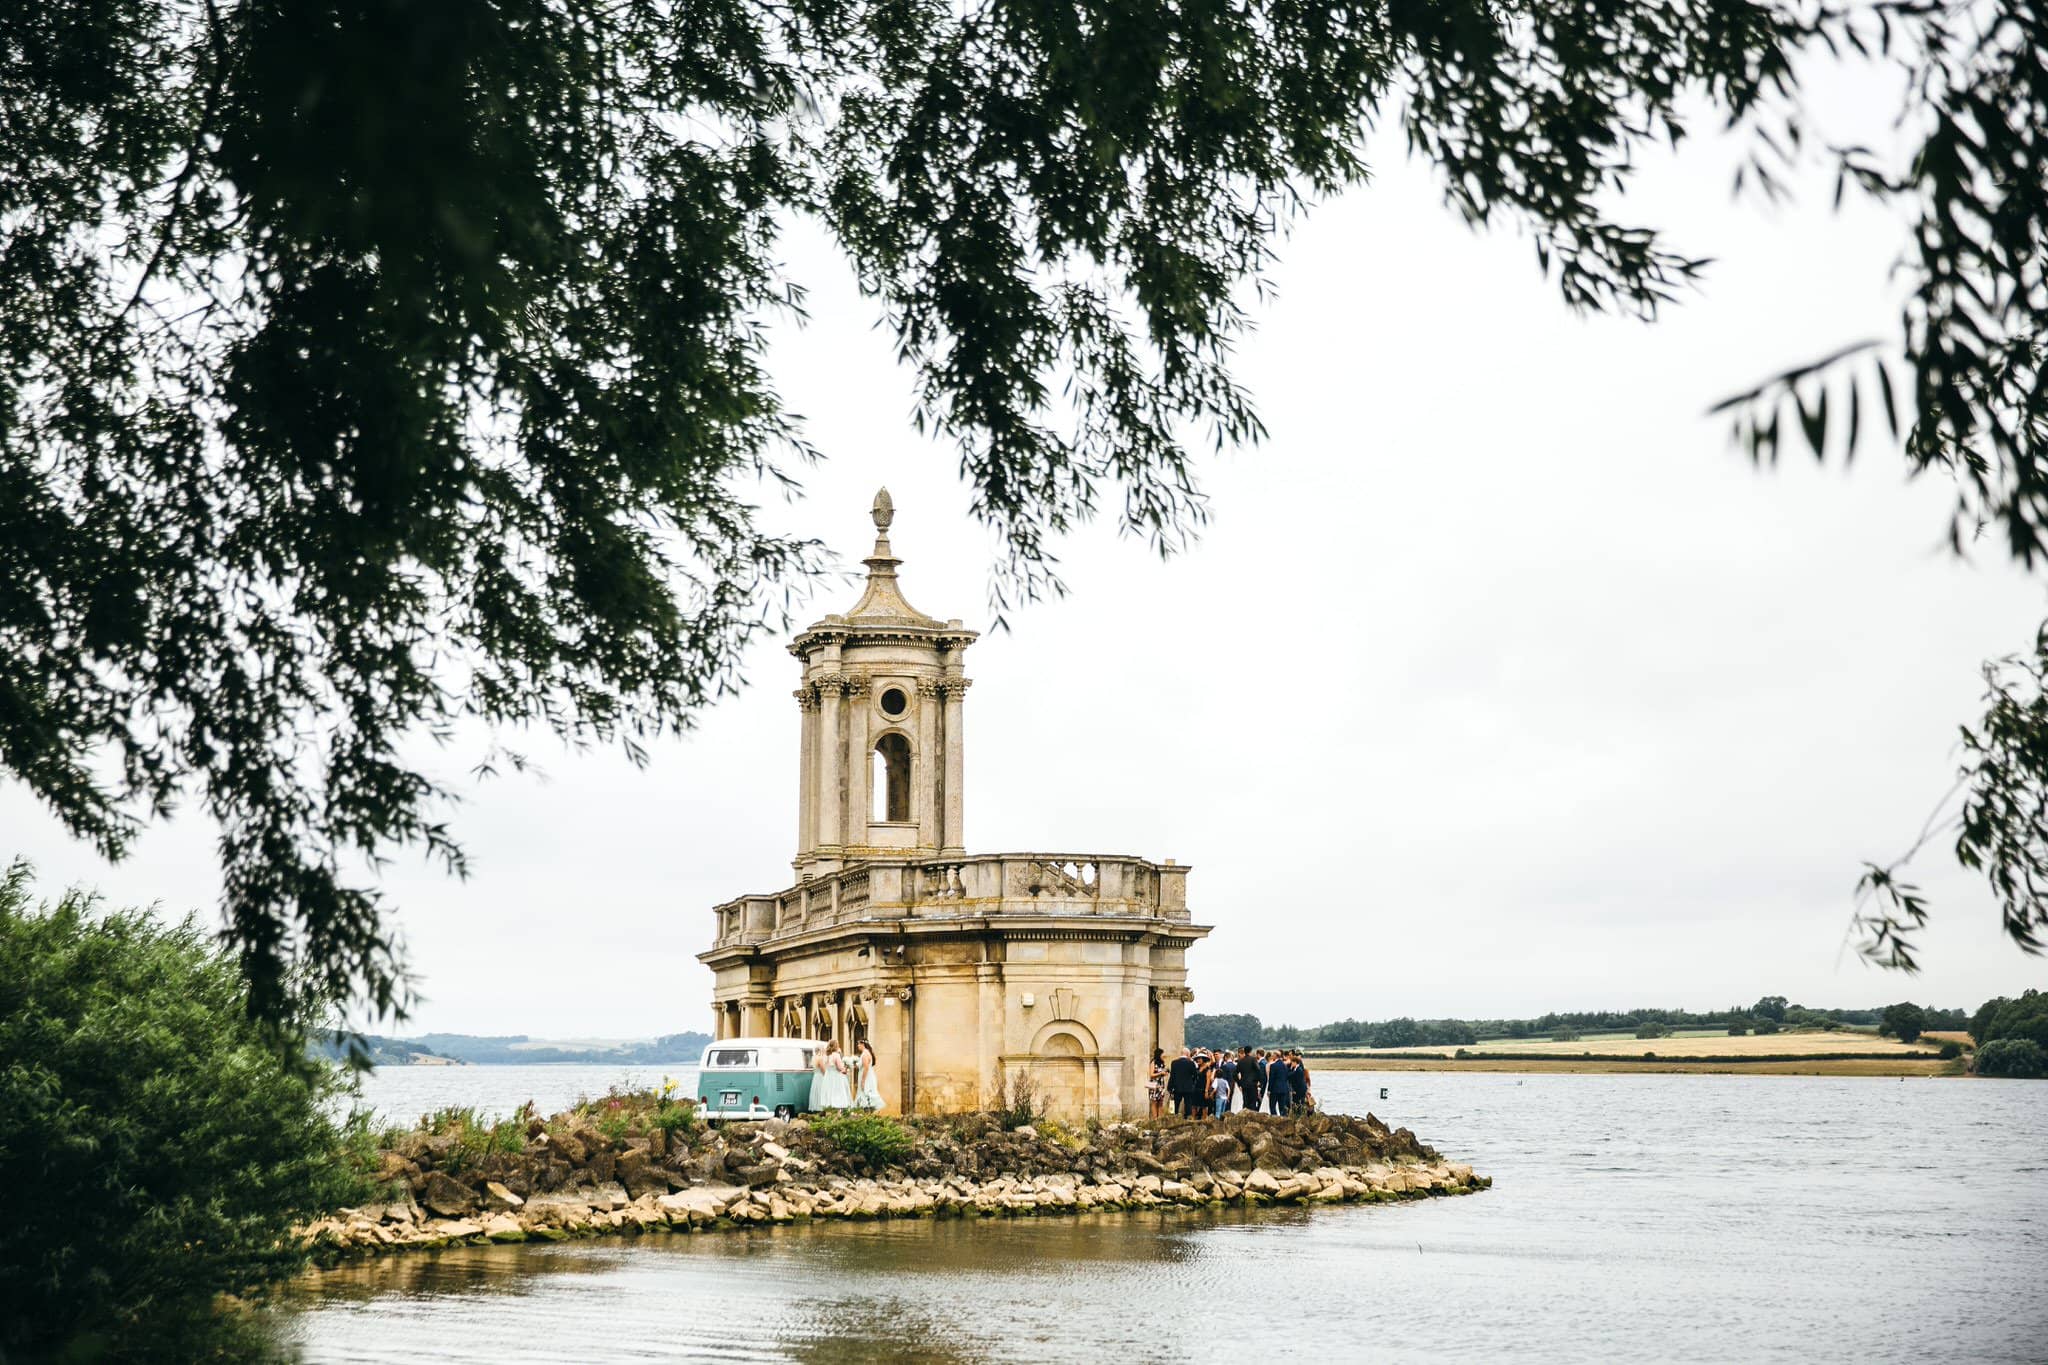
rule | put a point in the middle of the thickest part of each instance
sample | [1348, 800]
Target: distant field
[1907, 1063]
[1838, 1053]
[1681, 1045]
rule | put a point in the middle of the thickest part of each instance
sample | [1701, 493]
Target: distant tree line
[1768, 1015]
[671, 1049]
[512, 1049]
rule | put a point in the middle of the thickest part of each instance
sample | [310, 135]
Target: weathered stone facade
[964, 970]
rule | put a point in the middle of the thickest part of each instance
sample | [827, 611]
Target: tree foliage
[155, 1145]
[374, 367]
[1904, 1021]
[2024, 1018]
[2018, 1057]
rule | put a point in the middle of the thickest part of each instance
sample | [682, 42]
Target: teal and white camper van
[756, 1078]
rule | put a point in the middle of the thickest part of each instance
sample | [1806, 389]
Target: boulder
[650, 1180]
[445, 1195]
[501, 1198]
[454, 1227]
[695, 1206]
[1222, 1150]
[393, 1166]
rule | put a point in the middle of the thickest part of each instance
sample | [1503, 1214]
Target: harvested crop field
[1806, 1054]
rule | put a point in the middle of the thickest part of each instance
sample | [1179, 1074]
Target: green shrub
[672, 1118]
[1019, 1103]
[1764, 1026]
[1565, 1035]
[156, 1146]
[2012, 1057]
[1950, 1051]
[874, 1138]
[1653, 1029]
[615, 1128]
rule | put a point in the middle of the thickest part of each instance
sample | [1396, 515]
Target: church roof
[882, 609]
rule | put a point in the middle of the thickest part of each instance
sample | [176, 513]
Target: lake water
[1633, 1218]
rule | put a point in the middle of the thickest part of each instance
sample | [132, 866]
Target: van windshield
[734, 1057]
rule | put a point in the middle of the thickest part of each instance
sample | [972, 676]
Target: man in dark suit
[1247, 1081]
[1184, 1083]
[1279, 1087]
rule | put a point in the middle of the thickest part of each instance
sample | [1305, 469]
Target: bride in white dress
[830, 1090]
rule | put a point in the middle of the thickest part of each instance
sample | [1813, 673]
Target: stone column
[754, 1017]
[825, 777]
[860, 767]
[807, 763]
[925, 766]
[953, 840]
[1173, 1006]
[989, 1042]
[886, 1037]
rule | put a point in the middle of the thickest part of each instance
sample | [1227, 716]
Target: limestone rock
[445, 1195]
[501, 1198]
[454, 1227]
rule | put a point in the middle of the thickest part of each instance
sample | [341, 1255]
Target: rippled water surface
[1678, 1218]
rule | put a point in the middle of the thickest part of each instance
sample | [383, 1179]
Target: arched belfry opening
[892, 778]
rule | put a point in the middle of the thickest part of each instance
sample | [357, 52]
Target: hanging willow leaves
[368, 367]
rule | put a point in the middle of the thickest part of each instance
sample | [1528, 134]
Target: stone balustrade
[982, 885]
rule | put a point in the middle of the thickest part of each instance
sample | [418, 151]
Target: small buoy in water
[1383, 1092]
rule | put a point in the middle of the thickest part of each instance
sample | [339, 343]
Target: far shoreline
[1659, 1066]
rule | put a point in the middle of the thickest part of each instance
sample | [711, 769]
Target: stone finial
[884, 510]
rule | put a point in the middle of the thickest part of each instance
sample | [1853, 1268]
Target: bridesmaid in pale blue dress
[831, 1090]
[866, 1095]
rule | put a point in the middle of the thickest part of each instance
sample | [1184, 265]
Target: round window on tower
[894, 703]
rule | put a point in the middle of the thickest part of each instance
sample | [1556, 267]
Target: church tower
[883, 699]
[968, 973]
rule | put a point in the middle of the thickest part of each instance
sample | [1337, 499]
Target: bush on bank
[873, 1138]
[156, 1146]
[2012, 1057]
[2025, 1017]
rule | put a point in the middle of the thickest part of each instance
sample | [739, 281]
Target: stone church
[964, 970]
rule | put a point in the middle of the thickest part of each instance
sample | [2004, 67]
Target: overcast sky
[1500, 682]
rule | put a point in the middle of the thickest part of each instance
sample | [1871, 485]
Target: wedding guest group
[1204, 1084]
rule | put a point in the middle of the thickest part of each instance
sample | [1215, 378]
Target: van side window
[732, 1056]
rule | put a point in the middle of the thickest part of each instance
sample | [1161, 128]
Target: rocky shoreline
[566, 1178]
